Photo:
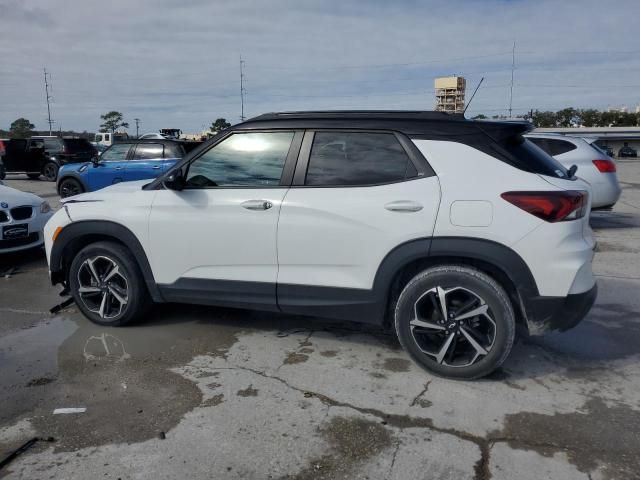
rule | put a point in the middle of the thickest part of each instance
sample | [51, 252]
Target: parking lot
[201, 392]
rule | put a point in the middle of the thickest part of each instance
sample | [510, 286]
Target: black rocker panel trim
[223, 293]
[82, 231]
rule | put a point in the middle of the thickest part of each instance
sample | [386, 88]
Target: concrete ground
[198, 392]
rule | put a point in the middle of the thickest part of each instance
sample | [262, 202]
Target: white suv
[453, 232]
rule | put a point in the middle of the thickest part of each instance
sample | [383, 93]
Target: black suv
[43, 155]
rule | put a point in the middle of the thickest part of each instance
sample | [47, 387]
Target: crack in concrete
[484, 443]
[424, 390]
[393, 459]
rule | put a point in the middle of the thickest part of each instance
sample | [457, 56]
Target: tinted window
[74, 145]
[344, 158]
[553, 146]
[98, 138]
[255, 159]
[117, 153]
[52, 145]
[173, 150]
[148, 151]
[527, 156]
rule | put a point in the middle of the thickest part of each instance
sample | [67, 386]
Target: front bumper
[545, 314]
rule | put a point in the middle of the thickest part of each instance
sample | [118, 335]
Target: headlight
[45, 207]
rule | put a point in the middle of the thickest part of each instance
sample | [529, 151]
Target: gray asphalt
[199, 393]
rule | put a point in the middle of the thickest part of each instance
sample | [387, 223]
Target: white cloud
[175, 63]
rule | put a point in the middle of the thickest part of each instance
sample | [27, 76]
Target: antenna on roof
[474, 94]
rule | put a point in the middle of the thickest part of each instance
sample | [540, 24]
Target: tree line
[576, 117]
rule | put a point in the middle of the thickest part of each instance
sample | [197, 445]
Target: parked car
[122, 162]
[43, 155]
[605, 148]
[22, 218]
[153, 136]
[627, 151]
[594, 165]
[451, 231]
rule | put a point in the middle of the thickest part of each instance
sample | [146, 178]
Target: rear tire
[107, 284]
[455, 321]
[50, 171]
[70, 187]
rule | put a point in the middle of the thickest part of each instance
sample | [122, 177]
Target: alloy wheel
[102, 287]
[50, 172]
[453, 325]
[69, 189]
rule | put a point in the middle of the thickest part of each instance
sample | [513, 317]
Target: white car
[22, 218]
[153, 136]
[594, 165]
[449, 231]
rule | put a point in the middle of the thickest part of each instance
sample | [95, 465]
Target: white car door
[215, 240]
[361, 195]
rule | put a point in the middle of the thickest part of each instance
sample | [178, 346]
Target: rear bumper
[545, 314]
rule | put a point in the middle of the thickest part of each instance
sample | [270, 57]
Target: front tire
[70, 187]
[455, 321]
[107, 284]
[50, 171]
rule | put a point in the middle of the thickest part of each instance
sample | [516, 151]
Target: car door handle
[156, 167]
[403, 206]
[257, 204]
[119, 168]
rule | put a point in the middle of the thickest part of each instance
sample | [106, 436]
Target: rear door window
[75, 145]
[52, 145]
[553, 146]
[354, 158]
[173, 150]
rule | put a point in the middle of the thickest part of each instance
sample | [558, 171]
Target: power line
[49, 97]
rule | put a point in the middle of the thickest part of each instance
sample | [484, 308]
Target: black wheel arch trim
[75, 176]
[76, 231]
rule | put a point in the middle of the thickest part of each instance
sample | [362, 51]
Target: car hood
[14, 198]
[107, 193]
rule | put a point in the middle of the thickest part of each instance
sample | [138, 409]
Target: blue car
[121, 162]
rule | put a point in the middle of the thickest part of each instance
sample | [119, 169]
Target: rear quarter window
[526, 155]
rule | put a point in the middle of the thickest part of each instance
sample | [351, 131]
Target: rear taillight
[2, 149]
[605, 166]
[551, 206]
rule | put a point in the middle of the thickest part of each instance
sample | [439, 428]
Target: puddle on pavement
[595, 436]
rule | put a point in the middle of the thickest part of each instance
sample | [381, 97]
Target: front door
[111, 167]
[215, 241]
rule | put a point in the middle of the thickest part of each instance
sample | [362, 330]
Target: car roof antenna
[474, 94]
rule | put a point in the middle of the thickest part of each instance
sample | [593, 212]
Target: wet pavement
[200, 392]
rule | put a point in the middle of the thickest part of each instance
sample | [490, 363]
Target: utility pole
[241, 89]
[513, 65]
[49, 97]
[137, 127]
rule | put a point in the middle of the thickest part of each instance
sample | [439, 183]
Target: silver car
[594, 165]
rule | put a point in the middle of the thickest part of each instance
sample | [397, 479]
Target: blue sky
[175, 63]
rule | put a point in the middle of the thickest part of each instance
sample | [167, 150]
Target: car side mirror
[96, 161]
[174, 181]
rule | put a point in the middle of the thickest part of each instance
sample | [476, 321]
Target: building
[613, 137]
[450, 94]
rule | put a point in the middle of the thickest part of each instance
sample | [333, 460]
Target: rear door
[355, 197]
[111, 167]
[146, 162]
